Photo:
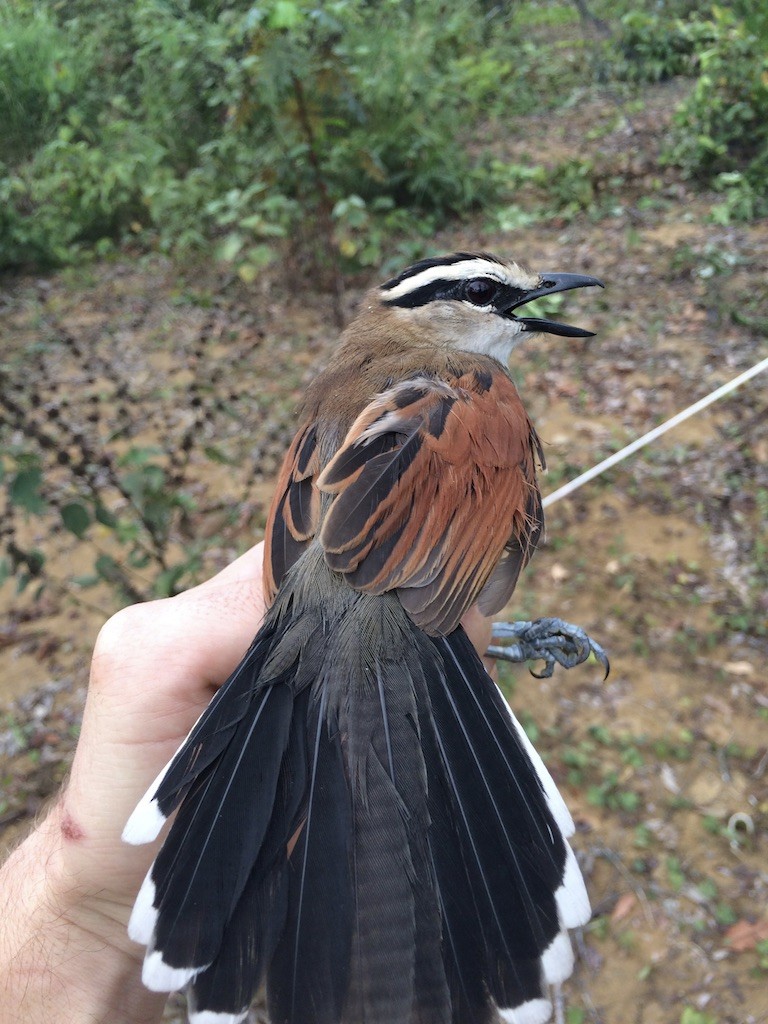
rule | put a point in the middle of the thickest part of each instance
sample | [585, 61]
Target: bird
[359, 820]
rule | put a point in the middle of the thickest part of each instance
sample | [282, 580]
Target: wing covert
[295, 512]
[433, 480]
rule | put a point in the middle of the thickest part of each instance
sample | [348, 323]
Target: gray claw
[550, 640]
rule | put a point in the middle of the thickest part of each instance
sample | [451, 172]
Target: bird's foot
[549, 640]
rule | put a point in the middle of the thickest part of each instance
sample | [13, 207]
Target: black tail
[363, 823]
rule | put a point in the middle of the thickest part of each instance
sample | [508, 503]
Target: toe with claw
[550, 640]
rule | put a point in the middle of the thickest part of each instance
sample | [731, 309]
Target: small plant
[41, 74]
[83, 470]
[612, 794]
[691, 1016]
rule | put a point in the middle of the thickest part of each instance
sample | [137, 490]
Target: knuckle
[125, 632]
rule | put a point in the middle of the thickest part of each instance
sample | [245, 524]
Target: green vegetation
[219, 125]
[720, 135]
[186, 123]
[329, 134]
[721, 130]
[57, 472]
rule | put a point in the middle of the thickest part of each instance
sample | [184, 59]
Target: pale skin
[66, 892]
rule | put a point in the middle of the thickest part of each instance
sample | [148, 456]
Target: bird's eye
[481, 291]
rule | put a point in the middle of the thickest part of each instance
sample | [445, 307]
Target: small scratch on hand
[71, 831]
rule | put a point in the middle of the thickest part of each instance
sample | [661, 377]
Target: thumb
[154, 670]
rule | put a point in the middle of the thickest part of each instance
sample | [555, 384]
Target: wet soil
[662, 560]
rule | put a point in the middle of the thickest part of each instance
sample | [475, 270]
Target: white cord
[702, 403]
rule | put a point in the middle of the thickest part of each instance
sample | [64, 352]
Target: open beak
[550, 285]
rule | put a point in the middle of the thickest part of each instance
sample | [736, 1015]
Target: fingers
[478, 628]
[182, 646]
[151, 677]
[212, 625]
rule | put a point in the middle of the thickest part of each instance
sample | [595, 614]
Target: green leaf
[25, 490]
[247, 273]
[230, 247]
[105, 517]
[627, 800]
[86, 582]
[285, 14]
[140, 456]
[691, 1016]
[35, 560]
[108, 569]
[165, 584]
[76, 518]
[5, 570]
[215, 454]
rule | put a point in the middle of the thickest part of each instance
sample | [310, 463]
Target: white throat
[464, 327]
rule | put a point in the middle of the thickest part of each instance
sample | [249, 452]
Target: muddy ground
[663, 560]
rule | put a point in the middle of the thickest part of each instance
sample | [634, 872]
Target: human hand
[479, 629]
[68, 890]
[155, 668]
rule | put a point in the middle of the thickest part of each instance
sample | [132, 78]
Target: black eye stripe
[442, 289]
[505, 297]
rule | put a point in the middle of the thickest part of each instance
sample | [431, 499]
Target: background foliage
[182, 124]
[325, 134]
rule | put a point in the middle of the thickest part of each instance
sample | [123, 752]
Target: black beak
[550, 285]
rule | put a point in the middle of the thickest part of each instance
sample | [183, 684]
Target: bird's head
[469, 301]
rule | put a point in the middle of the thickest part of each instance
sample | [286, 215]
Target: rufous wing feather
[429, 484]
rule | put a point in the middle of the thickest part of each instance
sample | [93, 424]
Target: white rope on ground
[702, 403]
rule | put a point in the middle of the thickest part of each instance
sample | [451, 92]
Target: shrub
[721, 131]
[40, 74]
[246, 123]
[652, 47]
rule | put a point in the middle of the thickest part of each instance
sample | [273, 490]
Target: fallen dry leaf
[745, 935]
[625, 904]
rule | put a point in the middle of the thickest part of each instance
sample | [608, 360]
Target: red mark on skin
[70, 830]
